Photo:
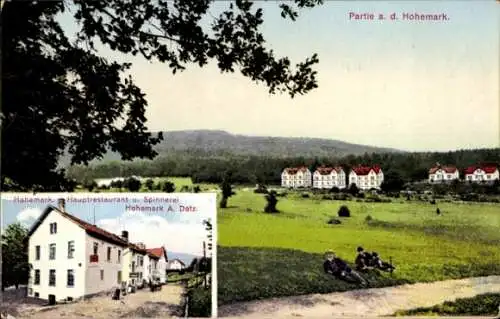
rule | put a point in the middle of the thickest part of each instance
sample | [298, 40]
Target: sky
[179, 232]
[410, 85]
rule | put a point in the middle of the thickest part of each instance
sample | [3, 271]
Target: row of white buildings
[71, 258]
[364, 177]
[475, 174]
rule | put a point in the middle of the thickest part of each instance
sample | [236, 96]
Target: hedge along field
[270, 255]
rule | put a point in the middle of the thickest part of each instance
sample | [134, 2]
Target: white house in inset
[176, 264]
[133, 270]
[159, 270]
[440, 174]
[480, 174]
[296, 177]
[329, 177]
[365, 177]
[71, 258]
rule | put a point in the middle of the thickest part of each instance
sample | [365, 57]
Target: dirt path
[165, 303]
[365, 302]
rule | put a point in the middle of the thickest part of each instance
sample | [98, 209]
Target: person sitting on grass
[379, 264]
[340, 270]
[363, 260]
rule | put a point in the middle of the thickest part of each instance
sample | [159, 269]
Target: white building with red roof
[295, 177]
[329, 177]
[440, 174]
[481, 173]
[71, 258]
[366, 177]
[158, 263]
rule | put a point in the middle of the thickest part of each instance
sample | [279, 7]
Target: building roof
[137, 249]
[177, 259]
[295, 170]
[324, 170]
[447, 169]
[90, 229]
[158, 252]
[365, 170]
[488, 169]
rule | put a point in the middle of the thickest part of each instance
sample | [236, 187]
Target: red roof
[323, 170]
[294, 170]
[94, 230]
[447, 169]
[157, 252]
[365, 170]
[487, 169]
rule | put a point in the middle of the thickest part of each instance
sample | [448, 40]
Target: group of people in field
[364, 262]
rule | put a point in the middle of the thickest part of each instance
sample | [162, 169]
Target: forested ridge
[210, 167]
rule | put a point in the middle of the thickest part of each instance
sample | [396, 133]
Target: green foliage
[149, 184]
[199, 302]
[227, 191]
[480, 305]
[132, 184]
[167, 187]
[82, 95]
[272, 201]
[15, 267]
[196, 189]
[344, 211]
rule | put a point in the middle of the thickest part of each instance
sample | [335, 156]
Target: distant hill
[221, 142]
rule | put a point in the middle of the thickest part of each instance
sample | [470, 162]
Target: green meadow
[269, 255]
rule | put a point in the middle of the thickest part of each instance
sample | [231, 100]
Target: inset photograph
[107, 255]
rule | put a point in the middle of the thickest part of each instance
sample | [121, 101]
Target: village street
[166, 303]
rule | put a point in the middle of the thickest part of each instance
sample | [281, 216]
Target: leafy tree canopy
[60, 95]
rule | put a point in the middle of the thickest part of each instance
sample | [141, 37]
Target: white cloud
[156, 231]
[28, 215]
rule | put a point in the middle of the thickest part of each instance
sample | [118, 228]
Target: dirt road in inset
[364, 302]
[166, 303]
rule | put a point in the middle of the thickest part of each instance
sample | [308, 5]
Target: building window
[53, 228]
[71, 249]
[119, 277]
[119, 255]
[71, 278]
[52, 277]
[96, 248]
[37, 252]
[102, 274]
[37, 277]
[109, 254]
[52, 251]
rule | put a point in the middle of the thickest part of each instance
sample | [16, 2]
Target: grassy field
[268, 255]
[481, 305]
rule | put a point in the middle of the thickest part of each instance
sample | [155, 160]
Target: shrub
[334, 221]
[344, 211]
[334, 190]
[260, 189]
[199, 302]
[368, 218]
[305, 195]
[433, 202]
[196, 189]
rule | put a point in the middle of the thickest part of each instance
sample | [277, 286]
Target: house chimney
[141, 245]
[125, 235]
[61, 204]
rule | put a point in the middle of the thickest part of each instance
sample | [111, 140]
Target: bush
[199, 302]
[260, 189]
[196, 189]
[344, 211]
[368, 218]
[334, 221]
[305, 195]
[334, 189]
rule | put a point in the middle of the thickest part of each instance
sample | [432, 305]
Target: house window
[96, 248]
[109, 254]
[141, 261]
[102, 274]
[52, 251]
[119, 277]
[119, 255]
[71, 278]
[37, 252]
[53, 228]
[37, 277]
[133, 266]
[71, 249]
[449, 176]
[52, 277]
